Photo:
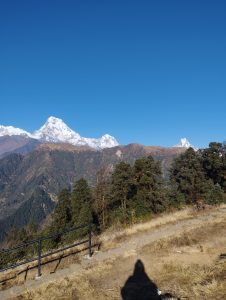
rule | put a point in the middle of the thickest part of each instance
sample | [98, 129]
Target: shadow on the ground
[140, 287]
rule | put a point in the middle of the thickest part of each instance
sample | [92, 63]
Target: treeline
[134, 192]
[130, 192]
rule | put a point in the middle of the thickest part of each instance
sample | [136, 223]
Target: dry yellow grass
[111, 237]
[197, 282]
[115, 235]
[196, 236]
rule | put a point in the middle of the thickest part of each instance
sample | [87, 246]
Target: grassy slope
[180, 253]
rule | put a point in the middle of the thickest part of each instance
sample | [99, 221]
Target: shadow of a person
[139, 286]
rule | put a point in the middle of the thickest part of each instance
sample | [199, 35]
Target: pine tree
[213, 193]
[81, 203]
[62, 213]
[121, 185]
[150, 195]
[214, 163]
[187, 177]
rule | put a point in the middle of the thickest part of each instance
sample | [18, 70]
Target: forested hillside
[34, 180]
[136, 191]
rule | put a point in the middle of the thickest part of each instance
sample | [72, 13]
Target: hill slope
[35, 179]
[16, 144]
[179, 253]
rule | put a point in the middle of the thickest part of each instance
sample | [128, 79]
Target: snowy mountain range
[56, 131]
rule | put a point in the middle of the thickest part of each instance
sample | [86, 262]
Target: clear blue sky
[144, 71]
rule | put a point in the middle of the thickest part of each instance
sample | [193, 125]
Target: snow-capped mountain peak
[108, 140]
[184, 143]
[55, 130]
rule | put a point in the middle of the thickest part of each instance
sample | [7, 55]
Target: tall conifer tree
[187, 176]
[122, 185]
[150, 194]
[62, 212]
[81, 199]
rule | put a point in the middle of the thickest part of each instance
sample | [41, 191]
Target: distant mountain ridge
[16, 144]
[56, 131]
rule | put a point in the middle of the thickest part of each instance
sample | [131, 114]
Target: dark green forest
[133, 193]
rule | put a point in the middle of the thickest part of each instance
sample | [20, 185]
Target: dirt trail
[109, 269]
